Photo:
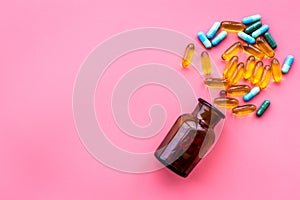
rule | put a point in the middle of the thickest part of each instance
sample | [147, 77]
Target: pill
[276, 70]
[250, 29]
[231, 26]
[262, 109]
[216, 82]
[202, 37]
[264, 46]
[238, 74]
[188, 55]
[287, 64]
[238, 90]
[260, 31]
[246, 37]
[232, 69]
[251, 19]
[213, 30]
[222, 93]
[244, 109]
[226, 102]
[270, 40]
[253, 92]
[249, 68]
[232, 51]
[259, 69]
[205, 62]
[232, 63]
[252, 50]
[219, 38]
[264, 82]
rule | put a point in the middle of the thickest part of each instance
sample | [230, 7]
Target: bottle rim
[212, 107]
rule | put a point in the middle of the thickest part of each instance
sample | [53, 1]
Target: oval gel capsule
[244, 109]
[238, 90]
[276, 70]
[263, 45]
[236, 77]
[250, 66]
[230, 66]
[253, 92]
[232, 51]
[264, 82]
[188, 55]
[226, 102]
[252, 50]
[216, 82]
[231, 26]
[287, 64]
[259, 69]
[205, 62]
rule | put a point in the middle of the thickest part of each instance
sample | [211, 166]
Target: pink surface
[43, 45]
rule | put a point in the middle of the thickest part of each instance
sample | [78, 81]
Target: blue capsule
[219, 38]
[287, 64]
[202, 37]
[246, 37]
[260, 31]
[253, 92]
[213, 30]
[251, 19]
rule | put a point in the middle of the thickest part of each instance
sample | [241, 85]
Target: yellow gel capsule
[250, 66]
[238, 74]
[206, 64]
[263, 45]
[216, 82]
[238, 90]
[264, 82]
[252, 50]
[226, 102]
[232, 63]
[231, 26]
[259, 69]
[188, 55]
[276, 70]
[244, 109]
[232, 51]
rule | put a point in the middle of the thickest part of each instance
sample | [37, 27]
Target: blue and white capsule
[260, 31]
[287, 64]
[251, 19]
[202, 37]
[219, 38]
[253, 92]
[213, 30]
[246, 37]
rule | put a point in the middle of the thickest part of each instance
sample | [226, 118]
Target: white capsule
[287, 64]
[253, 92]
[251, 19]
[202, 37]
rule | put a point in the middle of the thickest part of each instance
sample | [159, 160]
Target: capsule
[232, 51]
[188, 55]
[263, 45]
[276, 70]
[226, 102]
[230, 67]
[253, 92]
[259, 69]
[222, 93]
[264, 82]
[250, 29]
[246, 37]
[251, 19]
[213, 30]
[244, 109]
[270, 40]
[205, 62]
[260, 31]
[250, 66]
[252, 50]
[216, 82]
[219, 38]
[287, 64]
[238, 74]
[202, 37]
[262, 109]
[231, 26]
[238, 90]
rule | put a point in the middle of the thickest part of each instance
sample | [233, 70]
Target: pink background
[43, 44]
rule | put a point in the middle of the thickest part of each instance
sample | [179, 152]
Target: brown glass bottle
[189, 139]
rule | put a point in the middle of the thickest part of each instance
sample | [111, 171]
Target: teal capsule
[260, 31]
[250, 29]
[219, 38]
[262, 109]
[287, 64]
[213, 30]
[251, 19]
[202, 37]
[246, 37]
[253, 92]
[270, 40]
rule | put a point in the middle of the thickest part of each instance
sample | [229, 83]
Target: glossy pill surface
[230, 66]
[251, 19]
[236, 77]
[276, 70]
[260, 31]
[270, 40]
[250, 66]
[250, 29]
[264, 46]
[265, 79]
[253, 92]
[262, 109]
[259, 69]
[238, 90]
[202, 37]
[188, 55]
[244, 109]
[232, 26]
[232, 51]
[213, 30]
[219, 38]
[246, 37]
[287, 64]
[226, 102]
[205, 62]
[216, 82]
[252, 50]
